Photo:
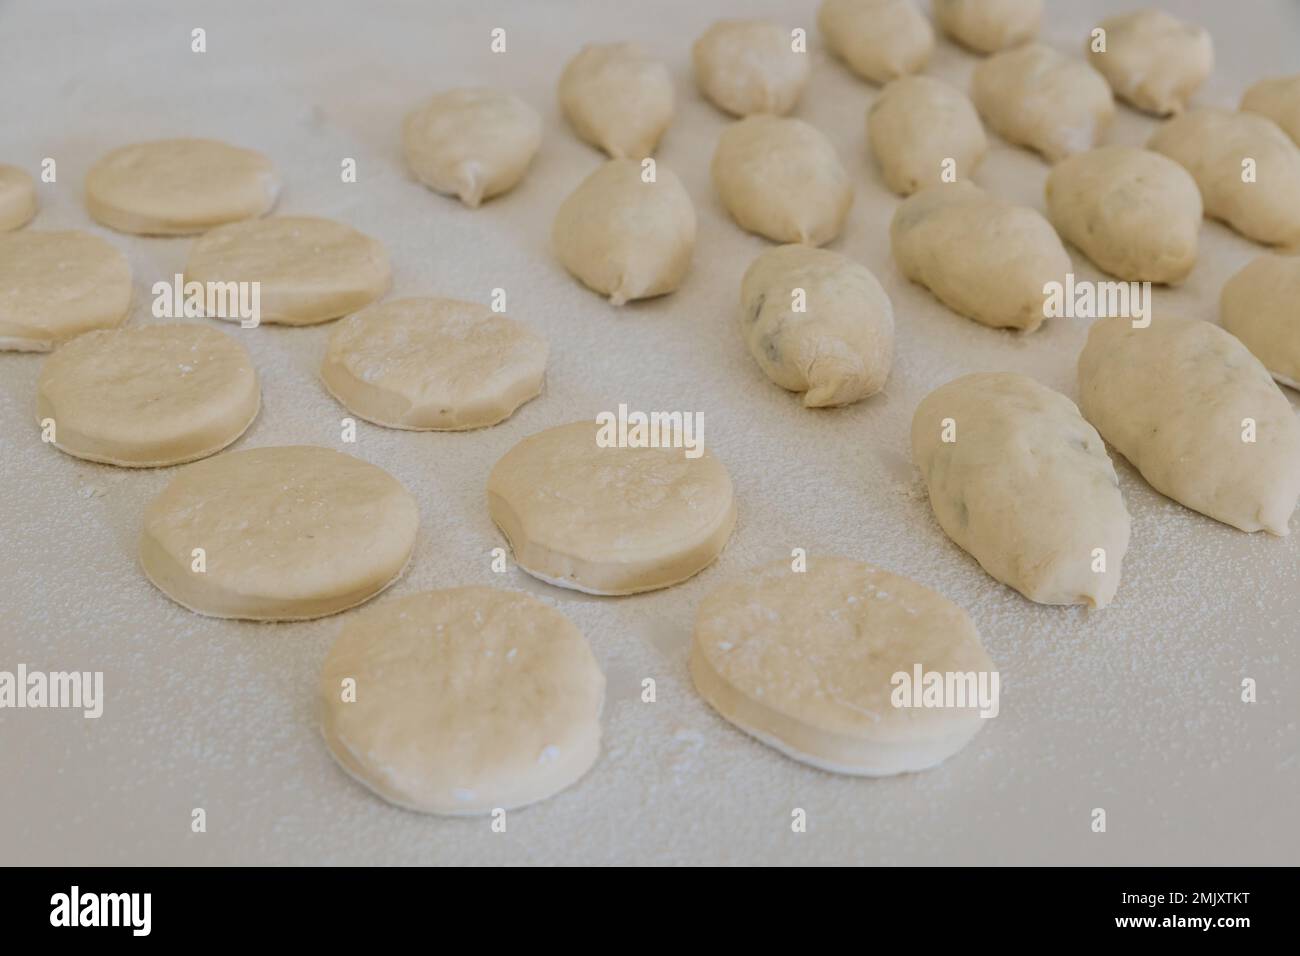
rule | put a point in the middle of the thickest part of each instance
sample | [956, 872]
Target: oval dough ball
[805, 661]
[880, 40]
[617, 98]
[17, 198]
[1261, 306]
[287, 534]
[1024, 486]
[916, 125]
[1035, 97]
[624, 237]
[310, 270]
[433, 364]
[149, 395]
[1172, 398]
[179, 187]
[56, 285]
[840, 347]
[1135, 213]
[749, 66]
[467, 700]
[610, 520]
[983, 257]
[1153, 61]
[987, 26]
[1279, 100]
[472, 143]
[782, 179]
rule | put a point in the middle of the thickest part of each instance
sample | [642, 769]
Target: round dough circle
[288, 534]
[17, 198]
[178, 187]
[879, 40]
[609, 520]
[467, 700]
[310, 270]
[433, 364]
[617, 98]
[749, 66]
[803, 661]
[149, 395]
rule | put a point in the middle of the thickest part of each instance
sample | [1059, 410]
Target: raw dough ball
[987, 26]
[1024, 485]
[1212, 145]
[916, 125]
[178, 187]
[609, 520]
[310, 270]
[840, 348]
[17, 198]
[1261, 306]
[434, 364]
[1153, 61]
[56, 285]
[149, 395]
[618, 98]
[749, 66]
[781, 178]
[624, 237]
[805, 660]
[467, 700]
[1135, 213]
[1035, 97]
[1279, 100]
[983, 257]
[473, 143]
[1172, 398]
[880, 40]
[288, 534]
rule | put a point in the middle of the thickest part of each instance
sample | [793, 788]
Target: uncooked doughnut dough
[624, 237]
[435, 364]
[805, 661]
[466, 700]
[880, 40]
[609, 520]
[148, 395]
[618, 98]
[178, 187]
[1278, 99]
[916, 125]
[749, 66]
[1261, 306]
[310, 270]
[56, 285]
[1019, 480]
[1153, 61]
[780, 177]
[17, 198]
[472, 143]
[987, 26]
[1173, 398]
[839, 347]
[287, 534]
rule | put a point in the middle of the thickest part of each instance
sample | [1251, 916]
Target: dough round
[916, 125]
[310, 270]
[879, 40]
[805, 660]
[1153, 61]
[617, 98]
[624, 237]
[749, 66]
[988, 26]
[466, 700]
[148, 395]
[780, 177]
[17, 198]
[472, 143]
[56, 285]
[1279, 100]
[288, 534]
[1261, 306]
[178, 187]
[433, 364]
[609, 520]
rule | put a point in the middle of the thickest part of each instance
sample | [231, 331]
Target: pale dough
[462, 701]
[879, 40]
[916, 126]
[609, 520]
[618, 98]
[287, 534]
[17, 198]
[1153, 61]
[1261, 306]
[749, 66]
[988, 26]
[1278, 98]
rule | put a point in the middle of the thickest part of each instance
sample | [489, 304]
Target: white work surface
[1135, 709]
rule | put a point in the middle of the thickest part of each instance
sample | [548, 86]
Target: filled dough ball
[17, 198]
[462, 701]
[1035, 97]
[1261, 306]
[148, 395]
[1153, 61]
[781, 178]
[880, 40]
[179, 187]
[1135, 213]
[583, 511]
[749, 66]
[988, 26]
[278, 534]
[617, 98]
[472, 143]
[805, 661]
[1279, 100]
[819, 323]
[916, 126]
[433, 364]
